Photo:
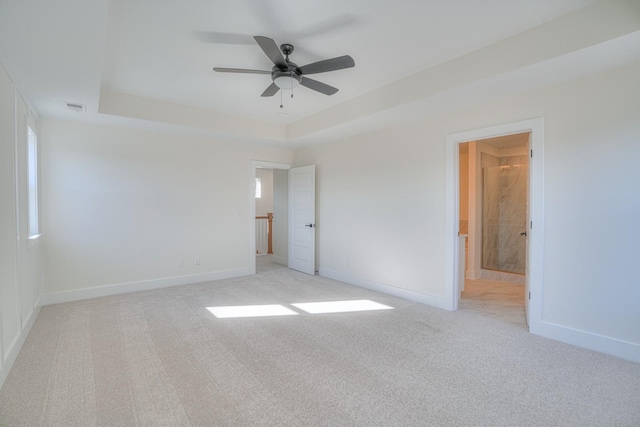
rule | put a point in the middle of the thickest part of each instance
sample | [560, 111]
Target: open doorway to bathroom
[493, 216]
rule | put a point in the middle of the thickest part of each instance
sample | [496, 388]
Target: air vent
[76, 107]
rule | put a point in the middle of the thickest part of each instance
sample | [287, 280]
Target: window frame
[258, 194]
[33, 185]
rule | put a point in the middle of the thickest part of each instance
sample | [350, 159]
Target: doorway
[270, 196]
[297, 215]
[534, 225]
[493, 212]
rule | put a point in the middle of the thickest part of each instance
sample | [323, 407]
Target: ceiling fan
[286, 74]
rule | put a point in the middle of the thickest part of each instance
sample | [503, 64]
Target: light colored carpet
[161, 358]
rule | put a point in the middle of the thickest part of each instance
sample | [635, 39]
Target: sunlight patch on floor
[251, 311]
[341, 306]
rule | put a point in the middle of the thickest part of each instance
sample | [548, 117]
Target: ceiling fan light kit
[286, 75]
[286, 80]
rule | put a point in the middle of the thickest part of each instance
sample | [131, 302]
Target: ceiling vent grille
[76, 107]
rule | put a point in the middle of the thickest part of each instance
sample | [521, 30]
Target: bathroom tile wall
[490, 218]
[504, 212]
[513, 160]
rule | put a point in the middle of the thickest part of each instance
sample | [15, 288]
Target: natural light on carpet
[251, 311]
[341, 306]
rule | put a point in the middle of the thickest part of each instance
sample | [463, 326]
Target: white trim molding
[14, 349]
[615, 347]
[431, 300]
[145, 285]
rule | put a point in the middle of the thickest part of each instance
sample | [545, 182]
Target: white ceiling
[164, 50]
[155, 48]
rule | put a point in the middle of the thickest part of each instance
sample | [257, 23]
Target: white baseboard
[29, 316]
[146, 285]
[279, 260]
[426, 299]
[622, 349]
[16, 346]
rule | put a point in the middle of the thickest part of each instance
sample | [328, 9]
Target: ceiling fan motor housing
[286, 49]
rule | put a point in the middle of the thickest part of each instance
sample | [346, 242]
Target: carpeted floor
[162, 358]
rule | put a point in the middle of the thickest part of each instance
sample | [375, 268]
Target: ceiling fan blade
[271, 49]
[318, 86]
[332, 64]
[240, 70]
[271, 90]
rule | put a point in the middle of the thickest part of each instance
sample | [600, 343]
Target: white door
[302, 219]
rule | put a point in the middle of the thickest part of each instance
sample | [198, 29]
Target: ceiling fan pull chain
[281, 100]
[292, 84]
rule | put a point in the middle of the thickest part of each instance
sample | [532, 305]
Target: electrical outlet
[196, 260]
[180, 263]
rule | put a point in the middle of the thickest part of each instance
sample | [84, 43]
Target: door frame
[535, 255]
[255, 164]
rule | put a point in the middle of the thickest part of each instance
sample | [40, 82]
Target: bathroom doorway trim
[536, 210]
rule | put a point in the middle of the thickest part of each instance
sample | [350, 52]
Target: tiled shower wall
[504, 212]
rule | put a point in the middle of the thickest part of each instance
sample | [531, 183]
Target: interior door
[302, 219]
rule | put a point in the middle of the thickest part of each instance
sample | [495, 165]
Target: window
[32, 170]
[258, 188]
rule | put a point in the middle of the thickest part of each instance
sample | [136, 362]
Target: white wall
[124, 205]
[381, 206]
[264, 204]
[20, 258]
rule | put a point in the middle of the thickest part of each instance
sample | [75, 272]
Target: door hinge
[532, 154]
[529, 295]
[531, 225]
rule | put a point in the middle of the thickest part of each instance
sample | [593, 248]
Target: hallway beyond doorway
[266, 263]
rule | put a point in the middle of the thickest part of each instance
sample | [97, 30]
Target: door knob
[310, 225]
